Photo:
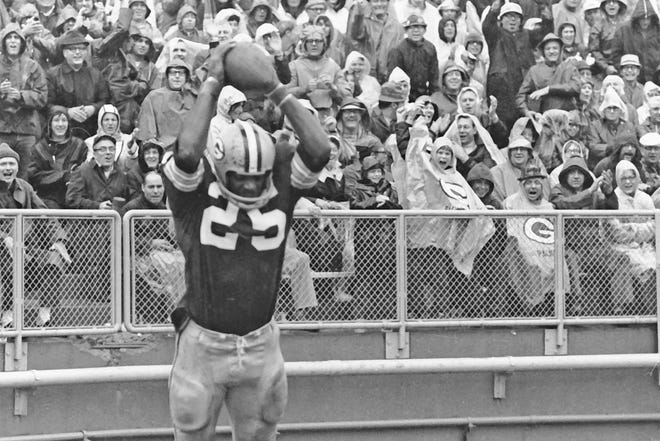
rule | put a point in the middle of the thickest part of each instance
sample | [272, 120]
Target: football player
[232, 200]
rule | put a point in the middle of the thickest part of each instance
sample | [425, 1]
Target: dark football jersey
[233, 256]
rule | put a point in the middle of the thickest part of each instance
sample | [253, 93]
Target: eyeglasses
[314, 41]
[383, 152]
[179, 73]
[652, 148]
[79, 48]
[317, 9]
[105, 149]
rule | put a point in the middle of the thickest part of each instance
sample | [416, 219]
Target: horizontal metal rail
[467, 422]
[120, 374]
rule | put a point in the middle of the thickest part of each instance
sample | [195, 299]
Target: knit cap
[7, 152]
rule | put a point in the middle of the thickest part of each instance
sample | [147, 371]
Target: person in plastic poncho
[531, 249]
[441, 249]
[634, 237]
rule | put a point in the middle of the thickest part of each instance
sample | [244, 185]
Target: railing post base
[393, 347]
[17, 362]
[556, 343]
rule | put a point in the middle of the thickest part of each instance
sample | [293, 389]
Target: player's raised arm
[314, 148]
[192, 139]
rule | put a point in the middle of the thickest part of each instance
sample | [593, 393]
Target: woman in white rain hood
[126, 151]
[650, 90]
[357, 69]
[469, 101]
[635, 238]
[230, 106]
[474, 143]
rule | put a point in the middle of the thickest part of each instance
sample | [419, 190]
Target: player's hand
[105, 205]
[215, 64]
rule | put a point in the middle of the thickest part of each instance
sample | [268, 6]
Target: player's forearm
[192, 139]
[314, 146]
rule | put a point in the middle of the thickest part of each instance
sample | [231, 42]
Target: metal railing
[415, 269]
[61, 270]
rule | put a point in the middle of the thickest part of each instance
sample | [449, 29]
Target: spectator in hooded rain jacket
[23, 93]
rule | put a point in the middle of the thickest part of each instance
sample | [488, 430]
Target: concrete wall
[366, 398]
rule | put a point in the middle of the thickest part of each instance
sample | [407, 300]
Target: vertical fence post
[657, 279]
[19, 281]
[401, 285]
[560, 293]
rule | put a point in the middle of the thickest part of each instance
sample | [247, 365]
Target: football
[248, 68]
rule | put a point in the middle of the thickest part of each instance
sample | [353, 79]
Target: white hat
[630, 60]
[591, 4]
[650, 139]
[510, 8]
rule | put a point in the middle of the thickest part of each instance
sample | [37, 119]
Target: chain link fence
[345, 267]
[71, 278]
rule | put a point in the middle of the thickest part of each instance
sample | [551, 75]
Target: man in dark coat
[511, 54]
[641, 37]
[417, 57]
[77, 86]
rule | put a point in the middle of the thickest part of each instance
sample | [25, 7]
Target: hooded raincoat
[53, 161]
[126, 150]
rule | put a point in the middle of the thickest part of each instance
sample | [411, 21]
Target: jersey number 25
[260, 222]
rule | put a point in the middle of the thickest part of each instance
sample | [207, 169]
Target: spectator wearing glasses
[630, 69]
[95, 183]
[640, 36]
[650, 146]
[316, 77]
[163, 110]
[77, 86]
[313, 9]
[109, 123]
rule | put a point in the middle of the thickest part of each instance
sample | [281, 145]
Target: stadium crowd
[526, 105]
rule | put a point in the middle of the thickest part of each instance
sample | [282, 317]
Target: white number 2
[260, 221]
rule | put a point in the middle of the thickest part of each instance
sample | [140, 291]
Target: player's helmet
[246, 149]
